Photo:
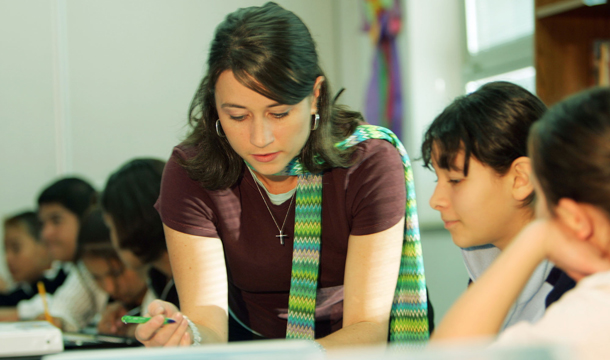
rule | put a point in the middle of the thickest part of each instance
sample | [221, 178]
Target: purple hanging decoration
[383, 105]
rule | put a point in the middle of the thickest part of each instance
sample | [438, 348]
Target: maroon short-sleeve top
[366, 198]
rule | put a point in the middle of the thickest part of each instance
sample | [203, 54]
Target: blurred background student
[124, 287]
[61, 208]
[136, 229]
[28, 259]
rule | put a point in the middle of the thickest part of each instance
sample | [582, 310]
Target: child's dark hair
[94, 237]
[490, 124]
[29, 220]
[74, 194]
[570, 150]
[129, 199]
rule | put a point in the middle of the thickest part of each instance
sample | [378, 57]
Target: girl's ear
[575, 217]
[521, 175]
[316, 94]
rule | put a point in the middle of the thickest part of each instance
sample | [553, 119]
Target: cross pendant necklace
[281, 236]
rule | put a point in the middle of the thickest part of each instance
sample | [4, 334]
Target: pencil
[43, 295]
[141, 320]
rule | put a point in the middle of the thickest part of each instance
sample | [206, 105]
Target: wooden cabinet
[564, 36]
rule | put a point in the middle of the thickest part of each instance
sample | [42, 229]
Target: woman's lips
[265, 157]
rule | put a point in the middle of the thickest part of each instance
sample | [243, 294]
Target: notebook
[29, 338]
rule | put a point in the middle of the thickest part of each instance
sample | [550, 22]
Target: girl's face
[59, 230]
[26, 258]
[127, 257]
[120, 282]
[264, 133]
[477, 209]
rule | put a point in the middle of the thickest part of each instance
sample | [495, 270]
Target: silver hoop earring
[316, 120]
[218, 132]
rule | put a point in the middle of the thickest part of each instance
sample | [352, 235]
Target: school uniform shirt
[366, 198]
[52, 279]
[76, 302]
[530, 305]
[579, 320]
[561, 282]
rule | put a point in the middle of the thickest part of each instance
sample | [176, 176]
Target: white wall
[433, 45]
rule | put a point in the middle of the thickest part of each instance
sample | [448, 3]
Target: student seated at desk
[61, 207]
[136, 230]
[125, 287]
[570, 152]
[484, 193]
[28, 259]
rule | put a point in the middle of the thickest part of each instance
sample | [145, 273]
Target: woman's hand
[111, 323]
[154, 333]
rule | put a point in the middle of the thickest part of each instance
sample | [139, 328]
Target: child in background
[28, 259]
[570, 154]
[136, 228]
[124, 286]
[61, 207]
[477, 147]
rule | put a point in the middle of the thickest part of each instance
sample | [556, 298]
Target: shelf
[564, 36]
[550, 8]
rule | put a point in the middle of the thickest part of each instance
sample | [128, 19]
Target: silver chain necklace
[281, 235]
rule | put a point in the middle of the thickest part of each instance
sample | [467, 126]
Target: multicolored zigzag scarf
[409, 316]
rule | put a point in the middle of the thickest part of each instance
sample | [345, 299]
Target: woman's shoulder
[376, 151]
[183, 152]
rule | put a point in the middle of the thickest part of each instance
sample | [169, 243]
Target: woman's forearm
[481, 310]
[362, 333]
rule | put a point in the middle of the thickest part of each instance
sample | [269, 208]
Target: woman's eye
[279, 115]
[455, 181]
[238, 118]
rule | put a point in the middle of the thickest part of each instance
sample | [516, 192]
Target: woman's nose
[261, 133]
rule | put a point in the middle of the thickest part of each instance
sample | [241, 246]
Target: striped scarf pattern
[409, 314]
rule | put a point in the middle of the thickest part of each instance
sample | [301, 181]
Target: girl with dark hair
[570, 152]
[61, 208]
[478, 148]
[27, 258]
[281, 209]
[136, 229]
[120, 283]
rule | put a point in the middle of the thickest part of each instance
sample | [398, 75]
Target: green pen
[141, 320]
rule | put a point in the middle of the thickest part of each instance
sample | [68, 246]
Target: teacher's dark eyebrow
[229, 105]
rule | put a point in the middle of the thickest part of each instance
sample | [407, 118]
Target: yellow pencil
[43, 295]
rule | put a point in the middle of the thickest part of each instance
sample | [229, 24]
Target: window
[500, 42]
